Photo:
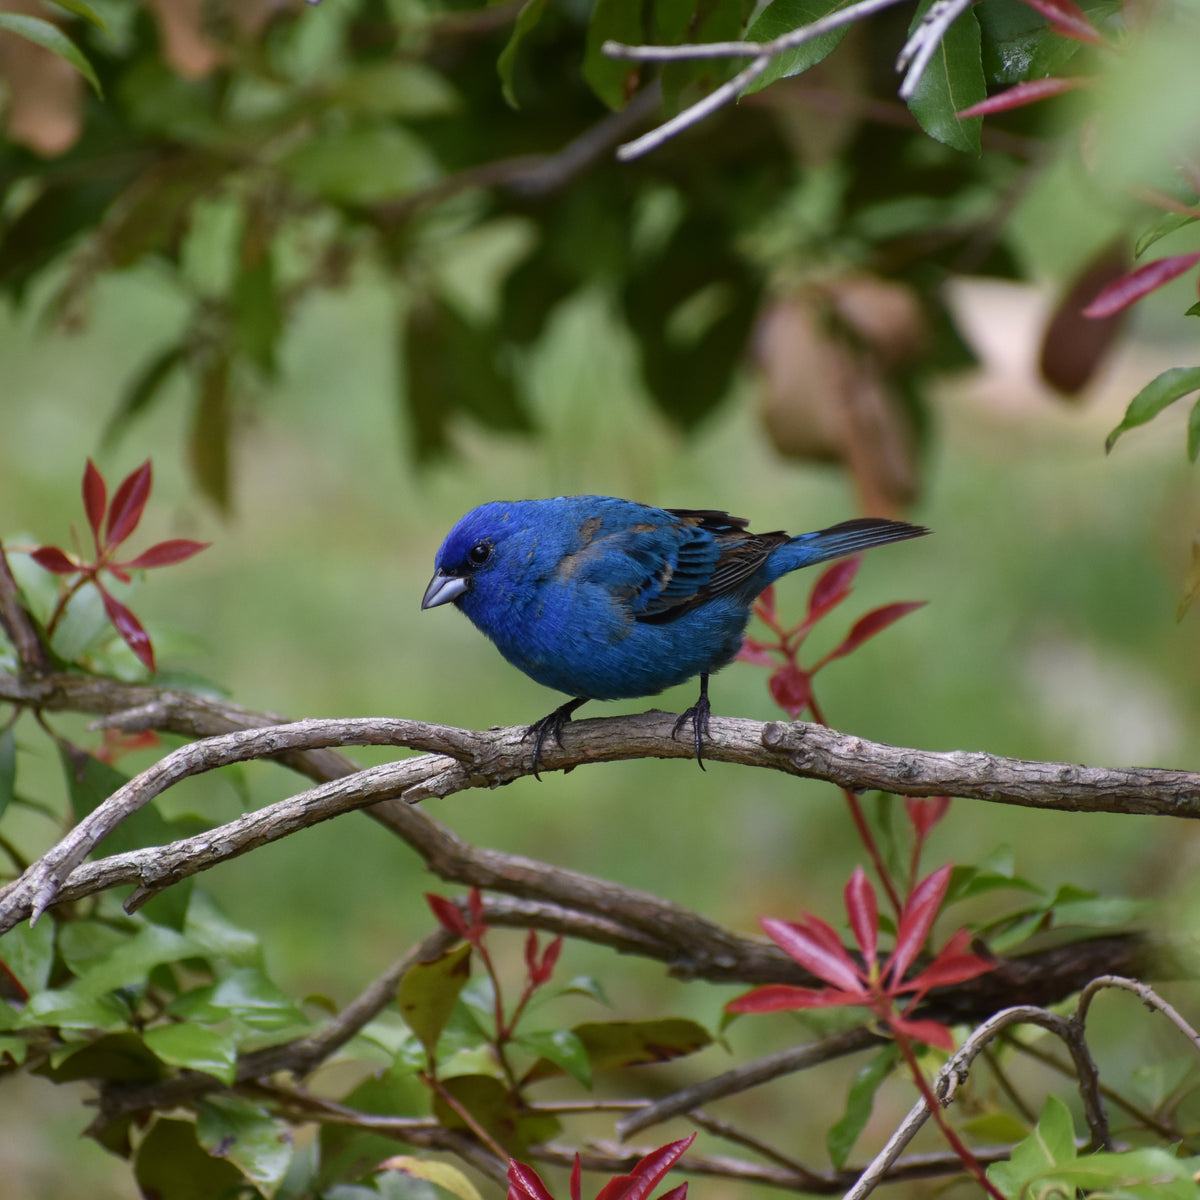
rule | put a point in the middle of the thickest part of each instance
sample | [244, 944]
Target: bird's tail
[847, 538]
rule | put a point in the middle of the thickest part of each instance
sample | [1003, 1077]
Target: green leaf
[17, 1048]
[257, 316]
[564, 1049]
[362, 165]
[129, 964]
[247, 994]
[8, 768]
[1194, 311]
[1167, 223]
[585, 985]
[429, 991]
[246, 1135]
[860, 1102]
[210, 928]
[50, 37]
[1050, 1146]
[497, 1109]
[79, 9]
[143, 390]
[619, 21]
[952, 80]
[531, 13]
[209, 437]
[67, 1009]
[444, 1175]
[614, 1044]
[197, 1048]
[1193, 429]
[1161, 391]
[28, 953]
[171, 1163]
[397, 89]
[115, 1058]
[782, 16]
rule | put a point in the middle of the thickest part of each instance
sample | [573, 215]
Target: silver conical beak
[442, 589]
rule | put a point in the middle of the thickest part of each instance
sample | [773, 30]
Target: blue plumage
[608, 599]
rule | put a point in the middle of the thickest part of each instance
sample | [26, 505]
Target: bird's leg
[551, 726]
[698, 714]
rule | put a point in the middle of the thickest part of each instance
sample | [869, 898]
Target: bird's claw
[549, 727]
[698, 714]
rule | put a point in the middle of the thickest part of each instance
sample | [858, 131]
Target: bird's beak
[442, 589]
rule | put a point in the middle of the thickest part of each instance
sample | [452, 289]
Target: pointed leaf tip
[128, 505]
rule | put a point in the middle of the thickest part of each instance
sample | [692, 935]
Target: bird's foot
[549, 727]
[698, 714]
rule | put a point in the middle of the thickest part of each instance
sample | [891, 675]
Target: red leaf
[925, 812]
[791, 689]
[128, 505]
[475, 905]
[576, 1177]
[877, 620]
[949, 969]
[1069, 20]
[920, 911]
[95, 499]
[531, 954]
[129, 627]
[676, 1193]
[832, 587]
[783, 997]
[810, 946]
[643, 1179]
[550, 959]
[932, 1033]
[524, 1183]
[756, 653]
[51, 558]
[164, 554]
[764, 606]
[447, 914]
[1132, 287]
[863, 910]
[1024, 93]
[119, 572]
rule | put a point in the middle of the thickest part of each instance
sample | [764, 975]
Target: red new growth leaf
[550, 960]
[524, 1183]
[755, 652]
[1132, 287]
[676, 1193]
[920, 912]
[447, 914]
[51, 558]
[791, 689]
[925, 812]
[832, 587]
[872, 623]
[952, 965]
[165, 554]
[1024, 93]
[130, 628]
[1068, 19]
[863, 909]
[932, 1033]
[95, 499]
[816, 947]
[475, 905]
[643, 1179]
[576, 1179]
[128, 505]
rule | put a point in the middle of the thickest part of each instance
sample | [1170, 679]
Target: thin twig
[925, 40]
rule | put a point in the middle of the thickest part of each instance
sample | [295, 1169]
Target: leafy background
[348, 362]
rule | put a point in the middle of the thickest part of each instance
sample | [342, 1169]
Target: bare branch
[925, 40]
[16, 623]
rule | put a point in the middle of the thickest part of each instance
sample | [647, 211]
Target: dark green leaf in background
[172, 1164]
[620, 21]
[209, 446]
[782, 16]
[531, 13]
[50, 37]
[497, 1110]
[952, 80]
[143, 390]
[860, 1103]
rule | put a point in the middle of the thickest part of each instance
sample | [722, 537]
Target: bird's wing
[714, 553]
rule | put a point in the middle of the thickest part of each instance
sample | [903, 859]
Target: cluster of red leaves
[524, 1183]
[112, 525]
[869, 984]
[790, 683]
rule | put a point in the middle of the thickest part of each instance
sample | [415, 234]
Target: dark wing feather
[718, 559]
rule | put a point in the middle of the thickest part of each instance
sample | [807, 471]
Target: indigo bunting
[608, 599]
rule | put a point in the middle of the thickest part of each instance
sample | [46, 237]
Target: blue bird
[609, 599]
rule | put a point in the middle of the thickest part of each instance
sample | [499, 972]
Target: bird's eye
[479, 553]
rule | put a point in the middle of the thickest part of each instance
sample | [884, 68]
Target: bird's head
[472, 551]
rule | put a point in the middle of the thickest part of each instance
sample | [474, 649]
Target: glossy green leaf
[611, 1045]
[1049, 1146]
[952, 81]
[782, 16]
[50, 37]
[585, 985]
[8, 768]
[1018, 43]
[28, 953]
[1161, 391]
[531, 13]
[429, 991]
[130, 963]
[860, 1103]
[564, 1049]
[171, 1163]
[120, 1057]
[619, 21]
[67, 1009]
[1167, 223]
[247, 995]
[246, 1135]
[196, 1048]
[446, 1176]
[209, 927]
